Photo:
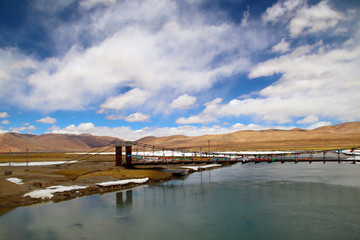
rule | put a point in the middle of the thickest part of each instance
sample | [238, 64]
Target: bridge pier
[128, 154]
[118, 155]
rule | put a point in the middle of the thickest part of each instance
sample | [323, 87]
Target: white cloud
[53, 128]
[154, 46]
[244, 20]
[132, 98]
[207, 115]
[183, 102]
[31, 128]
[214, 102]
[319, 124]
[88, 4]
[81, 128]
[142, 56]
[28, 129]
[316, 80]
[5, 122]
[14, 68]
[314, 19]
[256, 127]
[138, 117]
[120, 132]
[127, 133]
[47, 120]
[281, 11]
[282, 47]
[303, 18]
[115, 117]
[308, 119]
[4, 115]
[274, 12]
[203, 119]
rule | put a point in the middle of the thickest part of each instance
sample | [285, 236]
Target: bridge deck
[243, 161]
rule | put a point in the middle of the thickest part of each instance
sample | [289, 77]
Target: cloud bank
[179, 64]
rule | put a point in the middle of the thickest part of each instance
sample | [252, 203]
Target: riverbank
[37, 184]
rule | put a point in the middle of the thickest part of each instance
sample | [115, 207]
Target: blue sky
[131, 69]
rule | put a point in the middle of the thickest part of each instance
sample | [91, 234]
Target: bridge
[156, 155]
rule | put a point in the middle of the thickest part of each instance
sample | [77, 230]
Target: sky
[131, 69]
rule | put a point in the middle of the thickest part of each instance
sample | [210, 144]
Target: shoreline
[85, 175]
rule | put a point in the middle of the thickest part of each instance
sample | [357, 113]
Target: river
[242, 201]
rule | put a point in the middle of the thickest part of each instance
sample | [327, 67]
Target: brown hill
[16, 142]
[336, 136]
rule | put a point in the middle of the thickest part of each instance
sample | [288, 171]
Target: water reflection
[124, 204]
[238, 202]
[124, 199]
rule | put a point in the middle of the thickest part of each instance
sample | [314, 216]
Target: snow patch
[123, 182]
[197, 168]
[18, 181]
[48, 192]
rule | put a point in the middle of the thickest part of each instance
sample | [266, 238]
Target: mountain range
[343, 135]
[17, 142]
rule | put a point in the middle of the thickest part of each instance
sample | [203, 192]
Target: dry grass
[123, 173]
[44, 157]
[73, 172]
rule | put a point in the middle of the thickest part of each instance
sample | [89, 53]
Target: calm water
[276, 201]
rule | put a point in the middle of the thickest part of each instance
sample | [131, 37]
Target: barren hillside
[335, 136]
[52, 142]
